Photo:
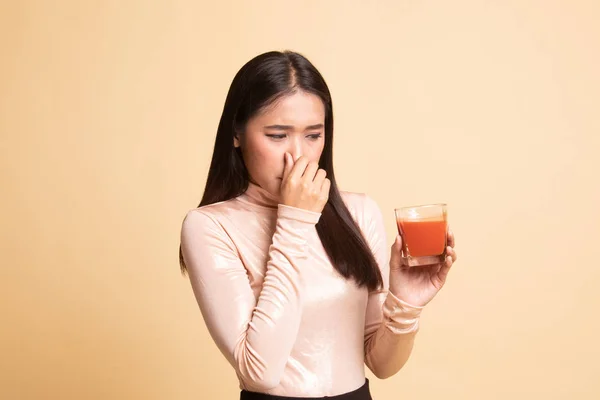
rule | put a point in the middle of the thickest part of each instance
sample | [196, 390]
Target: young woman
[292, 275]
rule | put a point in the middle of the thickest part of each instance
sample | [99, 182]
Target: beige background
[108, 112]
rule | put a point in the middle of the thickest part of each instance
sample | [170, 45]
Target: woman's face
[293, 124]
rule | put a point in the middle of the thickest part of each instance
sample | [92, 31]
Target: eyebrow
[290, 127]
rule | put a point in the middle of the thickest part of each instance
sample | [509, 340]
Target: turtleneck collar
[259, 196]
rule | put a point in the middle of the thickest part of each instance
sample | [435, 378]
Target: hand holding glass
[424, 234]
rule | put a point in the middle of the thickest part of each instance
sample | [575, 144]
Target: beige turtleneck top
[284, 318]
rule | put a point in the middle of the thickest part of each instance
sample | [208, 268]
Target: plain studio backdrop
[108, 114]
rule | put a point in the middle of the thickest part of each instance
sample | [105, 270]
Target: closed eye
[280, 136]
[276, 136]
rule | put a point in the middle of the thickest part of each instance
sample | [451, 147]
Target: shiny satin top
[285, 319]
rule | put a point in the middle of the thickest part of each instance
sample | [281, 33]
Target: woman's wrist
[298, 214]
[401, 317]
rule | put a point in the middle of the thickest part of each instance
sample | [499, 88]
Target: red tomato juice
[423, 237]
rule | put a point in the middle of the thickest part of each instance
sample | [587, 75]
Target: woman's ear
[236, 138]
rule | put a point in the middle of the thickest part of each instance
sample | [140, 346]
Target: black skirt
[362, 393]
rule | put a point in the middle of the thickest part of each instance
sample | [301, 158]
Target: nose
[295, 148]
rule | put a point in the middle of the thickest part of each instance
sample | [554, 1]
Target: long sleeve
[390, 323]
[256, 336]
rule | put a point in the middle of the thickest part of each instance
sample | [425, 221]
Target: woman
[292, 276]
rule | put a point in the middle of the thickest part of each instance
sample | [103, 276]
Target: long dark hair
[259, 83]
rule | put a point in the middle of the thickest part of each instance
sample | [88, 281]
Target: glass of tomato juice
[424, 233]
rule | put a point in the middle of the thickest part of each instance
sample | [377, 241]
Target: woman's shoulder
[213, 220]
[360, 204]
[213, 207]
[214, 211]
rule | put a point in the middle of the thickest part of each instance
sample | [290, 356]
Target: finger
[451, 241]
[310, 171]
[450, 252]
[288, 164]
[445, 268]
[396, 256]
[325, 187]
[320, 178]
[299, 167]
